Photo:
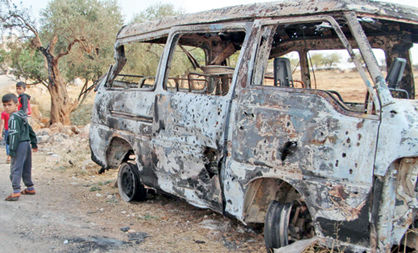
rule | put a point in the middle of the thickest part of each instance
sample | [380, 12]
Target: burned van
[281, 114]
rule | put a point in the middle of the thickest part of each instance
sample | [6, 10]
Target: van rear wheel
[129, 184]
[276, 225]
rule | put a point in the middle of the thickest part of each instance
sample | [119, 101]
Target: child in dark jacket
[24, 99]
[21, 136]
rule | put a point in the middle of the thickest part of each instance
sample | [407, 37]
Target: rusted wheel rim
[128, 181]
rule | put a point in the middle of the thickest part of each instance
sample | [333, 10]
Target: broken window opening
[397, 40]
[139, 64]
[311, 56]
[204, 62]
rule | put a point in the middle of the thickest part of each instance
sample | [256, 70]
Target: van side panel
[124, 114]
[306, 139]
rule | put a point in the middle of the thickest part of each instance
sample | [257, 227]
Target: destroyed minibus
[229, 110]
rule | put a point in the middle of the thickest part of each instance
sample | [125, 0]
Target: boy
[20, 134]
[24, 99]
[4, 124]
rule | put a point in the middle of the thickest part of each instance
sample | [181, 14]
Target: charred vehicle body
[210, 108]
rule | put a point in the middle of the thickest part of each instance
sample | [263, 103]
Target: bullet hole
[206, 120]
[255, 152]
[288, 124]
[336, 163]
[344, 154]
[348, 140]
[265, 141]
[346, 133]
[350, 171]
[321, 133]
[241, 128]
[355, 193]
[252, 115]
[288, 149]
[219, 113]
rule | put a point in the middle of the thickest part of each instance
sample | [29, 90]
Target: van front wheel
[276, 225]
[129, 184]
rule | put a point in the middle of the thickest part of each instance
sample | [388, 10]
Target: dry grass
[349, 84]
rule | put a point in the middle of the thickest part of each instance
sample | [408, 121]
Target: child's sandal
[28, 192]
[13, 197]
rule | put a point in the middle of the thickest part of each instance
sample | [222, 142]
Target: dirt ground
[77, 210]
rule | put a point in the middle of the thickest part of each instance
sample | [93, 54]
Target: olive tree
[81, 30]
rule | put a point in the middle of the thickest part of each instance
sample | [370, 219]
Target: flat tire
[129, 183]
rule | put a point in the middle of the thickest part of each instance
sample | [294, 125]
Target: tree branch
[52, 44]
[25, 23]
[72, 43]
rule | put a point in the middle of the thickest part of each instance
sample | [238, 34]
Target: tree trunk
[61, 105]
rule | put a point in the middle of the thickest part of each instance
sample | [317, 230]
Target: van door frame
[162, 102]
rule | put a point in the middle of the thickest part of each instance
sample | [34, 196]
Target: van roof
[284, 8]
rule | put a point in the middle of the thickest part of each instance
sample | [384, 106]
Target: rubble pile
[67, 148]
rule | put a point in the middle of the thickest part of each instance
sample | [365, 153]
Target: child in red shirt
[23, 99]
[5, 124]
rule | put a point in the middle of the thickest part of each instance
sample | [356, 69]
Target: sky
[131, 7]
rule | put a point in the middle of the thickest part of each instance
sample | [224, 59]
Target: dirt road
[77, 210]
[51, 221]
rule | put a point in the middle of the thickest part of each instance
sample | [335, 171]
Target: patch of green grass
[104, 182]
[112, 201]
[148, 216]
[108, 182]
[95, 188]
